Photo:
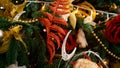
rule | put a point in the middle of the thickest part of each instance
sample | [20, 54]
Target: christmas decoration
[112, 30]
[87, 9]
[8, 35]
[1, 34]
[11, 9]
[72, 19]
[35, 34]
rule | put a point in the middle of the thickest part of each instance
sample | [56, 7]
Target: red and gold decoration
[41, 30]
[54, 31]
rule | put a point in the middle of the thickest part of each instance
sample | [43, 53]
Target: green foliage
[4, 24]
[36, 14]
[86, 27]
[29, 10]
[40, 49]
[12, 53]
[2, 60]
[80, 23]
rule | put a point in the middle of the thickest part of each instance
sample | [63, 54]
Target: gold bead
[101, 43]
[23, 21]
[116, 57]
[36, 19]
[98, 39]
[92, 31]
[105, 48]
[33, 20]
[19, 20]
[30, 21]
[109, 52]
[94, 34]
[112, 54]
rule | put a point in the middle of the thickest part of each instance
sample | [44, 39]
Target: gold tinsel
[10, 9]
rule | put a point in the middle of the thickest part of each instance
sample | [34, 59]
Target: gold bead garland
[25, 21]
[103, 45]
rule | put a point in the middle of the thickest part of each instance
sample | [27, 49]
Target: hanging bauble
[17, 2]
[1, 34]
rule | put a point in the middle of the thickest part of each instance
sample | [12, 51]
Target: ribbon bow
[13, 32]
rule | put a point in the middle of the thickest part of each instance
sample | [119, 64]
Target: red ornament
[112, 31]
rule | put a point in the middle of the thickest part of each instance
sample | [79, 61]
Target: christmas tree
[59, 34]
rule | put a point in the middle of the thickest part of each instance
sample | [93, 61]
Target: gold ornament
[113, 6]
[73, 20]
[10, 9]
[13, 32]
[87, 9]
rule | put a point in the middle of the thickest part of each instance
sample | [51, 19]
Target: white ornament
[89, 21]
[66, 56]
[18, 15]
[1, 33]
[65, 17]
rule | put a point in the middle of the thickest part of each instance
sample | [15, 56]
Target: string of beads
[25, 21]
[103, 45]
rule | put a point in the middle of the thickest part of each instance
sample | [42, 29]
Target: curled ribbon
[13, 32]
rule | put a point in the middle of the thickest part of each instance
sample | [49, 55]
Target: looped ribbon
[13, 32]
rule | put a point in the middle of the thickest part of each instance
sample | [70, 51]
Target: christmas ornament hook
[66, 56]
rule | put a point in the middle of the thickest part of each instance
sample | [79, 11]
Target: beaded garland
[103, 45]
[25, 21]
